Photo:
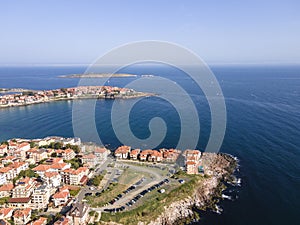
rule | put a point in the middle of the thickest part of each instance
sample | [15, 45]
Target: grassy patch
[73, 193]
[4, 200]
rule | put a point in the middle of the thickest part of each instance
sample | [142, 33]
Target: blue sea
[263, 129]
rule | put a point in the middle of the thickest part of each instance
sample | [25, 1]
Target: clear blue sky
[57, 31]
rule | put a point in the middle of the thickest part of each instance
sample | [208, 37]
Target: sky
[78, 32]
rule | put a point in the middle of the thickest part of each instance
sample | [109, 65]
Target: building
[74, 177]
[25, 146]
[191, 167]
[68, 154]
[170, 155]
[19, 166]
[40, 221]
[3, 179]
[89, 160]
[3, 150]
[52, 179]
[63, 221]
[101, 154]
[19, 203]
[58, 167]
[10, 173]
[37, 154]
[61, 197]
[24, 188]
[134, 154]
[122, 152]
[6, 213]
[155, 156]
[22, 216]
[40, 197]
[79, 213]
[42, 169]
[192, 155]
[5, 190]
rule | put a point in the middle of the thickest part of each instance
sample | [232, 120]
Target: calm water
[263, 106]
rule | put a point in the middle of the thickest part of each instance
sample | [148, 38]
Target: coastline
[100, 75]
[14, 100]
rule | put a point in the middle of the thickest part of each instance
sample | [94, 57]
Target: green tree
[58, 145]
[32, 144]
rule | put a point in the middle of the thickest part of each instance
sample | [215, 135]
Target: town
[58, 180]
[28, 97]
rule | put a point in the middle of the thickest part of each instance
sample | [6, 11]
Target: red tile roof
[22, 212]
[7, 187]
[41, 168]
[19, 200]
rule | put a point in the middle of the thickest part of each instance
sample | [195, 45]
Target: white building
[40, 197]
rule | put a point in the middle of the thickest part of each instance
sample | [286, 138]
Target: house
[79, 213]
[25, 146]
[134, 154]
[6, 213]
[12, 145]
[10, 173]
[52, 179]
[54, 161]
[42, 169]
[37, 154]
[22, 216]
[101, 154]
[9, 159]
[144, 154]
[3, 179]
[19, 166]
[68, 154]
[24, 187]
[40, 197]
[19, 202]
[155, 156]
[74, 177]
[5, 190]
[71, 141]
[192, 155]
[3, 150]
[63, 221]
[61, 197]
[40, 221]
[89, 160]
[170, 155]
[58, 167]
[122, 152]
[191, 167]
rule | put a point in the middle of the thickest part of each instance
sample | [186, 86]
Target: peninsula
[56, 180]
[23, 97]
[98, 75]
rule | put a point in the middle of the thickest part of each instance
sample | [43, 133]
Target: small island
[57, 180]
[22, 97]
[98, 75]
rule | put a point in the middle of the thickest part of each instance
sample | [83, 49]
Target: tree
[4, 143]
[74, 147]
[58, 145]
[54, 154]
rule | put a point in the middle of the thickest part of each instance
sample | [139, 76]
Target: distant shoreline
[24, 97]
[97, 75]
